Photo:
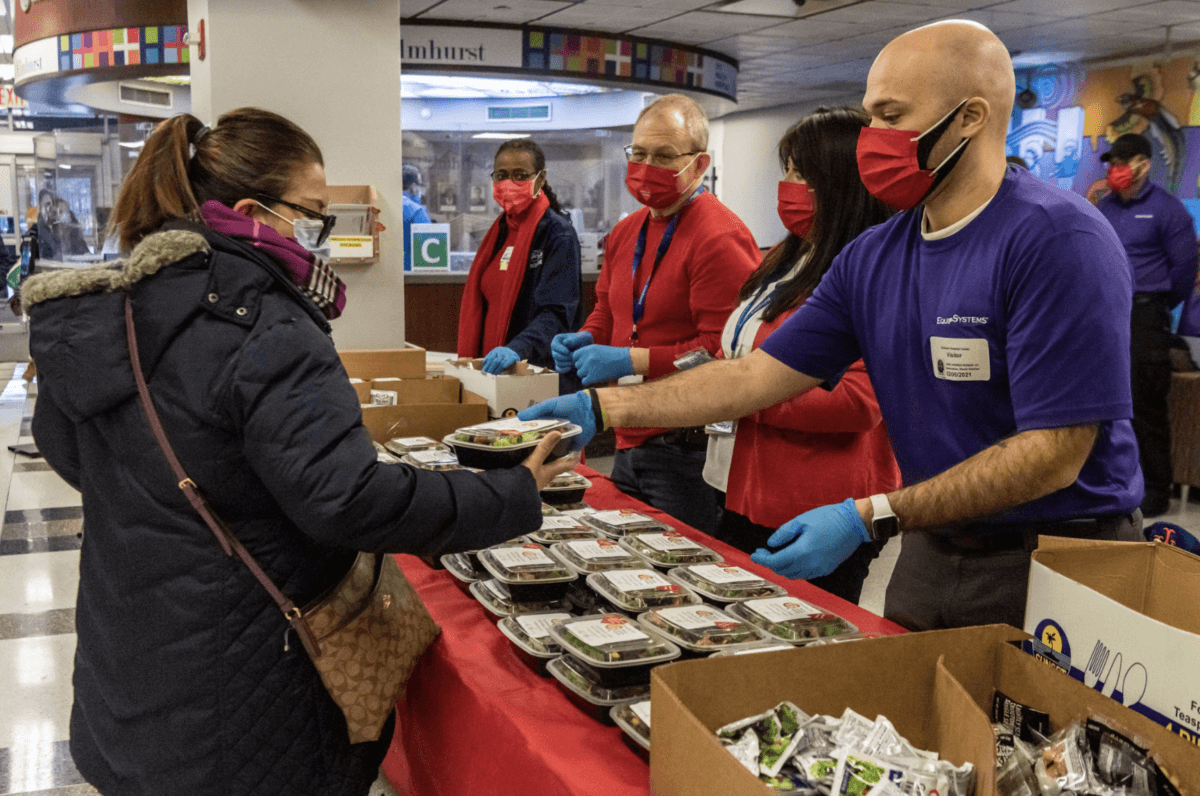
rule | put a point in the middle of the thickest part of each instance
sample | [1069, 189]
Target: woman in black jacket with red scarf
[524, 286]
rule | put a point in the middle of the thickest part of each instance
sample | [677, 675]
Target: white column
[334, 69]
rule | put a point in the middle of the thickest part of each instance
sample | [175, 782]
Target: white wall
[334, 69]
[745, 153]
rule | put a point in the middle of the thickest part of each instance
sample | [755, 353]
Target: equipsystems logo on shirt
[1148, 215]
[975, 319]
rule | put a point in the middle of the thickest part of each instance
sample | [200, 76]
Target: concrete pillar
[334, 69]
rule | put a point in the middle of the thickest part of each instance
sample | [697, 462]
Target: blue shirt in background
[1157, 232]
[414, 213]
[1018, 321]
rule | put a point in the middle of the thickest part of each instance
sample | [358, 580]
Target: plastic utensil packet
[1062, 764]
[1023, 720]
[745, 751]
[858, 773]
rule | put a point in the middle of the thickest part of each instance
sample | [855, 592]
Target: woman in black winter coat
[183, 683]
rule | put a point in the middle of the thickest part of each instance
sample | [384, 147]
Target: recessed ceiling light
[503, 136]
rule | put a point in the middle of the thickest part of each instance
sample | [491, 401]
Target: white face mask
[306, 231]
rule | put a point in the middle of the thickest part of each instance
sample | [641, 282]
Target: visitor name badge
[504, 258]
[961, 358]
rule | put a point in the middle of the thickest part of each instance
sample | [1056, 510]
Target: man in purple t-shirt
[991, 317]
[1160, 241]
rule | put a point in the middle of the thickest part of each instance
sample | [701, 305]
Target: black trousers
[1150, 360]
[669, 475]
[846, 581]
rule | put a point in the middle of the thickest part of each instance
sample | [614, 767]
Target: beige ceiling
[823, 48]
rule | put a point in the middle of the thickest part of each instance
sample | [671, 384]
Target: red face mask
[1119, 178]
[891, 162]
[796, 207]
[654, 186]
[514, 197]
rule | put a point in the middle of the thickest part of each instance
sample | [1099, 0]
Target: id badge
[723, 428]
[693, 358]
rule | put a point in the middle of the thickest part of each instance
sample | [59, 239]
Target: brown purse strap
[229, 542]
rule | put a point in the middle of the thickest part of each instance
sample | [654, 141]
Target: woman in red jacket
[821, 446]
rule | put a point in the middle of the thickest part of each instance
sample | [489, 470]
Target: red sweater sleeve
[850, 406]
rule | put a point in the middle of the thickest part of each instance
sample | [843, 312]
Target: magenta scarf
[316, 279]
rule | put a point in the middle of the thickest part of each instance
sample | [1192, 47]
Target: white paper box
[506, 394]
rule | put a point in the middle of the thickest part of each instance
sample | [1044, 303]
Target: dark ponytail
[539, 164]
[250, 151]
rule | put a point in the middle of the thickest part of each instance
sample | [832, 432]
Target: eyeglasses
[655, 158]
[516, 176]
[327, 222]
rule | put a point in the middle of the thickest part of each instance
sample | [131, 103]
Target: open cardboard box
[368, 364]
[353, 248]
[425, 408]
[507, 393]
[935, 687]
[1124, 619]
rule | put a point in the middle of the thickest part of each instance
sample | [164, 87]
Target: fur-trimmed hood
[147, 258]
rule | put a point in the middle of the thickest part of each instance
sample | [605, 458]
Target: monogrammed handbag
[364, 635]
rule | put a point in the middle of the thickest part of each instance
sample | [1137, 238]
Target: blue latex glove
[576, 408]
[598, 364]
[823, 538]
[563, 345]
[499, 359]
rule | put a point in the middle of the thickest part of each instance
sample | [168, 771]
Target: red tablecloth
[476, 720]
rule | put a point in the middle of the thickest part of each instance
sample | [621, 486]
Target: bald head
[680, 112]
[945, 63]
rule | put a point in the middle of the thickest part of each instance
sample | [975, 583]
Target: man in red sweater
[671, 276]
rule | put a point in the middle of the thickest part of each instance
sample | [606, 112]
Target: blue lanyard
[639, 251]
[751, 310]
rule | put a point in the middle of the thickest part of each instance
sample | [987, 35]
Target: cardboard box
[355, 246]
[1124, 619]
[896, 676]
[1031, 682]
[520, 387]
[425, 408]
[369, 364]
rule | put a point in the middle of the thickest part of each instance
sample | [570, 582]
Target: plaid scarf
[314, 278]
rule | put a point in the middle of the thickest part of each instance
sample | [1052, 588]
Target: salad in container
[566, 489]
[726, 584]
[793, 620]
[586, 556]
[670, 549]
[438, 459]
[637, 590]
[612, 649]
[560, 529]
[633, 717]
[496, 598]
[584, 692]
[700, 629]
[528, 570]
[619, 522]
[530, 633]
[506, 442]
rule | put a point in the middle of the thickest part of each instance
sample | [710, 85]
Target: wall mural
[1071, 116]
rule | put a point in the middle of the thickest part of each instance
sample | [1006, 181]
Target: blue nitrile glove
[563, 345]
[598, 364]
[500, 359]
[824, 538]
[576, 408]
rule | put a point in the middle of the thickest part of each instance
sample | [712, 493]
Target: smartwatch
[884, 522]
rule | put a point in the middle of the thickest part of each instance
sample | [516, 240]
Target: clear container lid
[596, 555]
[560, 528]
[618, 522]
[641, 589]
[403, 445]
[700, 628]
[758, 646]
[506, 432]
[494, 596]
[531, 632]
[611, 641]
[549, 511]
[792, 619]
[634, 718]
[568, 481]
[576, 510]
[670, 549]
[568, 671]
[725, 583]
[459, 565]
[383, 457]
[436, 459]
[524, 563]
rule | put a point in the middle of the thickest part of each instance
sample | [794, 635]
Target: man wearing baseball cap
[1160, 241]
